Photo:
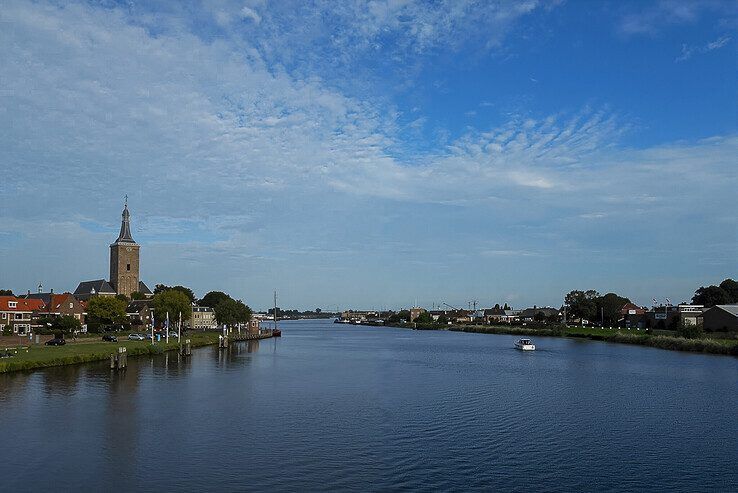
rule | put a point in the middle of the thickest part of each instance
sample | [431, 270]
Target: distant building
[203, 318]
[690, 314]
[359, 316]
[662, 317]
[139, 313]
[124, 258]
[87, 289]
[60, 305]
[500, 316]
[124, 267]
[460, 316]
[17, 313]
[535, 314]
[632, 316]
[721, 318]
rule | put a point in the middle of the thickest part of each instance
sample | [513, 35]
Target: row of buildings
[21, 315]
[719, 318]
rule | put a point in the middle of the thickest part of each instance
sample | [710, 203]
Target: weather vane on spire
[126, 204]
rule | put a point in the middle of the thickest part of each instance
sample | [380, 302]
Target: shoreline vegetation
[654, 339]
[35, 357]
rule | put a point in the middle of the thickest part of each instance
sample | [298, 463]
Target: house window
[128, 266]
[71, 305]
[12, 304]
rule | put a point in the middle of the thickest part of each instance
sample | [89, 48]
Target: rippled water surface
[334, 407]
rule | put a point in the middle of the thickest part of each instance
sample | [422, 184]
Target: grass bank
[674, 343]
[40, 356]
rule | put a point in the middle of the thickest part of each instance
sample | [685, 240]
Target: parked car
[173, 334]
[56, 341]
[109, 338]
[136, 337]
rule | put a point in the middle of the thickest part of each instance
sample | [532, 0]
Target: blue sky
[368, 154]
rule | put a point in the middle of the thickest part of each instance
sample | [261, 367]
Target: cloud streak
[689, 51]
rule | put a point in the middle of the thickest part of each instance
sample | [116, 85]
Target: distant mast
[275, 309]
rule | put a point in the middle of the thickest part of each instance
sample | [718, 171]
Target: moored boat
[525, 345]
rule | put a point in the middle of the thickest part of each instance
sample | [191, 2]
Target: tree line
[109, 313]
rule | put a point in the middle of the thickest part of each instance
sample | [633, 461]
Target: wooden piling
[122, 358]
[185, 349]
[119, 360]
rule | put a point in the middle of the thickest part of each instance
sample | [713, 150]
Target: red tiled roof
[57, 300]
[22, 304]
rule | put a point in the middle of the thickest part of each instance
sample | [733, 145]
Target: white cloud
[652, 18]
[689, 51]
[243, 158]
[249, 13]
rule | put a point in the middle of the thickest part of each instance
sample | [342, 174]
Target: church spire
[125, 225]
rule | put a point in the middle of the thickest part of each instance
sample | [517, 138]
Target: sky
[373, 154]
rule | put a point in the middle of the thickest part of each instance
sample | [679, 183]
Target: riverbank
[88, 350]
[660, 341]
[705, 345]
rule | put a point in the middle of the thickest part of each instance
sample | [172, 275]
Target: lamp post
[153, 323]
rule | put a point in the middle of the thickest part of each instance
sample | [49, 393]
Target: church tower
[124, 258]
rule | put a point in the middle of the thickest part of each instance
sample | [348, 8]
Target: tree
[160, 288]
[424, 318]
[506, 307]
[213, 298]
[610, 306]
[582, 304]
[443, 320]
[690, 331]
[137, 295]
[6, 292]
[122, 297]
[711, 296]
[232, 312]
[173, 302]
[66, 324]
[401, 317]
[104, 311]
[539, 317]
[731, 287]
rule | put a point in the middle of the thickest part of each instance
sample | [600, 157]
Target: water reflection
[331, 407]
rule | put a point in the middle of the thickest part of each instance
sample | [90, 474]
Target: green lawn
[84, 350]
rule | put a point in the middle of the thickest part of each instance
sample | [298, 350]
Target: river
[336, 407]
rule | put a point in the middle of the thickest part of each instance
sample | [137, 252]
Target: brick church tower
[124, 259]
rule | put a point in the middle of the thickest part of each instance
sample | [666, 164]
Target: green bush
[690, 331]
[7, 330]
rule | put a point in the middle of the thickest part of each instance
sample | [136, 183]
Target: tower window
[128, 266]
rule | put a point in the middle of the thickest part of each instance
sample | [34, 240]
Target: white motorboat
[525, 345]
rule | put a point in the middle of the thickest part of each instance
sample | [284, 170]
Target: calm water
[331, 407]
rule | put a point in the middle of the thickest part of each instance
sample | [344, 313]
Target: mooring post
[122, 358]
[112, 361]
